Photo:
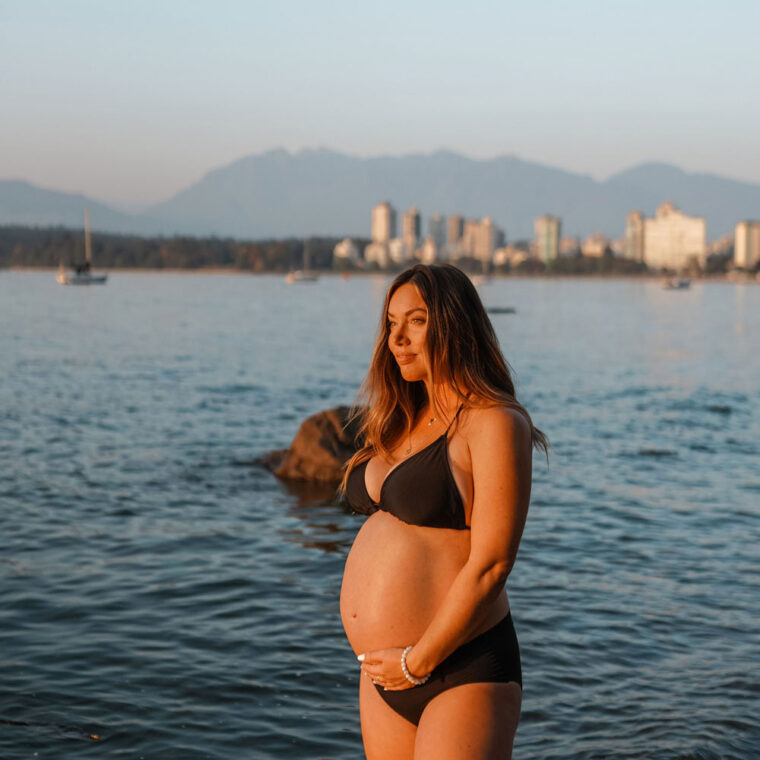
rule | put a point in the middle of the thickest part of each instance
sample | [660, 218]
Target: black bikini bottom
[491, 657]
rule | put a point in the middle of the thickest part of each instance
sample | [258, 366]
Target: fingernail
[360, 657]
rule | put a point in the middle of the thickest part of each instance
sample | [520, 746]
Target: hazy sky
[130, 101]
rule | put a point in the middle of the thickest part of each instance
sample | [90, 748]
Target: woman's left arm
[501, 453]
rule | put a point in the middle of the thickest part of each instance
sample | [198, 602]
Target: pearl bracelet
[409, 677]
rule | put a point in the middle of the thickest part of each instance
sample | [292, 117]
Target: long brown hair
[462, 349]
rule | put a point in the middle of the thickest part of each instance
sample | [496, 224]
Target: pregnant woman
[445, 477]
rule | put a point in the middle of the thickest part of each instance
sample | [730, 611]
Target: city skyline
[671, 239]
[129, 104]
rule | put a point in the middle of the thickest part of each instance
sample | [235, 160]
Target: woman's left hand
[384, 668]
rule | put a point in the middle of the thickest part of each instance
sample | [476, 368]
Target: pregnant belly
[396, 577]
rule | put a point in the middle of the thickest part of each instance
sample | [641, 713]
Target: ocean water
[161, 593]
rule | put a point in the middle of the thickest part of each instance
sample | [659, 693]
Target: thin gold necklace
[430, 422]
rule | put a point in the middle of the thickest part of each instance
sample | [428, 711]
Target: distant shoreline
[327, 273]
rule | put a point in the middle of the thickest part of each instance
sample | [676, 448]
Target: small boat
[82, 275]
[79, 278]
[302, 275]
[676, 283]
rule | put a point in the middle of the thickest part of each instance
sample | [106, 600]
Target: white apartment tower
[673, 240]
[747, 245]
[479, 239]
[383, 222]
[484, 243]
[470, 234]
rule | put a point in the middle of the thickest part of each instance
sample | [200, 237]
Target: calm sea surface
[158, 591]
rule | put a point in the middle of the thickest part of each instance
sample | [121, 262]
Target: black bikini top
[420, 490]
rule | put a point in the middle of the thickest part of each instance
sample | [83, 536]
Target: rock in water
[319, 450]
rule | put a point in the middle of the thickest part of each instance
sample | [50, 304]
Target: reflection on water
[740, 321]
[306, 493]
[314, 505]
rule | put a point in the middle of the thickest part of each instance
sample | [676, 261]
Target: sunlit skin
[438, 588]
[408, 325]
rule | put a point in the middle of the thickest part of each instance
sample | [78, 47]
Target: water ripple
[165, 596]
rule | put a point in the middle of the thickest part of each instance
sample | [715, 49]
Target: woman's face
[407, 329]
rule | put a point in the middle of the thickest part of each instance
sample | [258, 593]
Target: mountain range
[323, 192]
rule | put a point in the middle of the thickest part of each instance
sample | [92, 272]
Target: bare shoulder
[487, 425]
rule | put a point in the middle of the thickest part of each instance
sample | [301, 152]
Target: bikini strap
[456, 416]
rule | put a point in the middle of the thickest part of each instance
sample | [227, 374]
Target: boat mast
[306, 254]
[87, 243]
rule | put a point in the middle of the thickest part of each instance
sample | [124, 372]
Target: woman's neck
[443, 400]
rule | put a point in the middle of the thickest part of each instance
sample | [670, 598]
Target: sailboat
[302, 275]
[82, 274]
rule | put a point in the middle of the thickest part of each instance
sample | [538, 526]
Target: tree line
[49, 246]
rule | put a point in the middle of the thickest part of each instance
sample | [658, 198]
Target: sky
[131, 101]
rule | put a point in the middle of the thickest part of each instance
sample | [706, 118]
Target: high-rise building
[673, 240]
[455, 231]
[747, 245]
[470, 234]
[383, 231]
[437, 229]
[383, 222]
[634, 236]
[546, 231]
[484, 243]
[411, 228]
[479, 239]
